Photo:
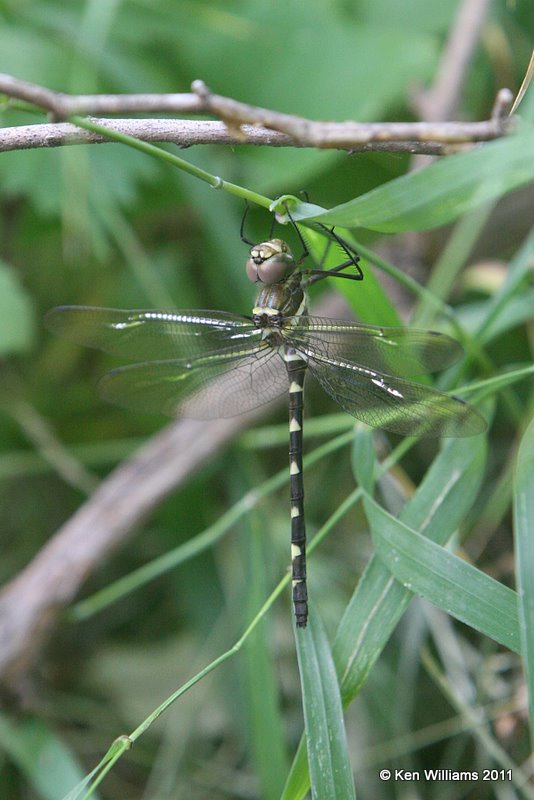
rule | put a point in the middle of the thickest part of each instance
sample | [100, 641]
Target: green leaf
[330, 771]
[446, 580]
[443, 191]
[17, 319]
[524, 557]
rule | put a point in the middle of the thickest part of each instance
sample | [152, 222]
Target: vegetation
[411, 569]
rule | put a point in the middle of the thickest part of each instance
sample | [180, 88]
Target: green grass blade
[516, 312]
[524, 544]
[265, 724]
[198, 544]
[330, 771]
[42, 758]
[436, 509]
[446, 580]
[379, 601]
[298, 779]
[363, 456]
[490, 386]
[517, 280]
[449, 263]
[443, 191]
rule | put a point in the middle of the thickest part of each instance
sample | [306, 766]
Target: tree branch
[241, 124]
[62, 105]
[181, 132]
[348, 134]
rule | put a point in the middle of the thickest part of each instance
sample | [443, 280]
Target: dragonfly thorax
[270, 262]
[279, 300]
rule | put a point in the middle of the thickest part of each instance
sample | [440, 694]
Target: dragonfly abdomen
[296, 371]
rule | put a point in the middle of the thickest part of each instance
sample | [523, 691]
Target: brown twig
[181, 132]
[44, 440]
[62, 105]
[184, 133]
[266, 127]
[346, 134]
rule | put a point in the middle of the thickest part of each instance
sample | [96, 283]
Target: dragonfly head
[270, 262]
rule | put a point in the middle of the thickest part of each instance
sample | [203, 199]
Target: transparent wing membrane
[208, 364]
[403, 351]
[205, 390]
[398, 405]
[145, 335]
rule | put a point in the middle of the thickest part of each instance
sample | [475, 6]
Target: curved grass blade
[170, 158]
[515, 285]
[446, 580]
[330, 770]
[436, 509]
[524, 544]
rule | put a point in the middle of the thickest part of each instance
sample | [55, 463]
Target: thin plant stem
[163, 155]
[199, 543]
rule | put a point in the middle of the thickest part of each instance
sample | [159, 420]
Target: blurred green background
[104, 225]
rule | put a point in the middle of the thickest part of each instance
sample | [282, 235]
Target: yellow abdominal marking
[269, 312]
[291, 357]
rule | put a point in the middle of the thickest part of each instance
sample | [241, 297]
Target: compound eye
[275, 269]
[270, 262]
[251, 268]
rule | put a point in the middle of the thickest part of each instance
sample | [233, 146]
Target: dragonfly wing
[402, 351]
[198, 390]
[145, 335]
[400, 406]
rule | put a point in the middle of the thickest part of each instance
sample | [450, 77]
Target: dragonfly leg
[296, 370]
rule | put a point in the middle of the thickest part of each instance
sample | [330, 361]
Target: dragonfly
[213, 364]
